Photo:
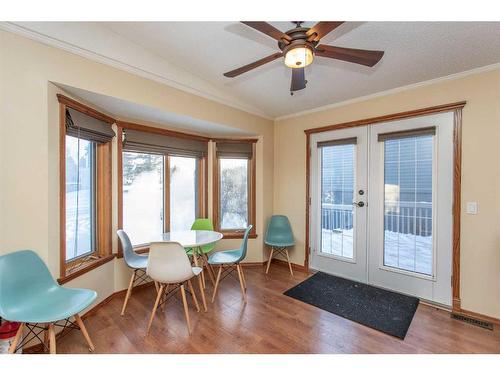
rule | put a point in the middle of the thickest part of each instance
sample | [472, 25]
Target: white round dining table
[192, 238]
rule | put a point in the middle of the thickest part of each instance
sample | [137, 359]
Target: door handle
[359, 204]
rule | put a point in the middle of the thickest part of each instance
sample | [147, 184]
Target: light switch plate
[471, 208]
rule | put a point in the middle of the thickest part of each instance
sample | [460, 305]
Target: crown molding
[379, 94]
[69, 47]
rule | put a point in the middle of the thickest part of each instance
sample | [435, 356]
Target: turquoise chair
[29, 295]
[230, 259]
[279, 236]
[134, 261]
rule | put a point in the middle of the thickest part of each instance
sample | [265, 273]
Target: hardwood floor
[269, 323]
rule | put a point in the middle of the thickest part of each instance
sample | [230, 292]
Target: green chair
[230, 259]
[204, 224]
[29, 295]
[279, 236]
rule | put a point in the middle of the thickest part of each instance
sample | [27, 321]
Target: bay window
[85, 198]
[163, 181]
[234, 187]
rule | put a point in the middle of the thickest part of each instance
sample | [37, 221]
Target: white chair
[168, 264]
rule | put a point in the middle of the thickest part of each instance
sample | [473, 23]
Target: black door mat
[383, 310]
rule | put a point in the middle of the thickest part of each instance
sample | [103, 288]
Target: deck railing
[401, 217]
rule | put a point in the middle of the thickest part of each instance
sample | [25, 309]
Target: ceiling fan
[299, 46]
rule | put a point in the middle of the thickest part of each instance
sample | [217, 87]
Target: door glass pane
[408, 203]
[80, 197]
[183, 192]
[233, 193]
[142, 196]
[337, 196]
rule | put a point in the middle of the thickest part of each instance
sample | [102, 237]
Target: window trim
[230, 234]
[202, 169]
[103, 194]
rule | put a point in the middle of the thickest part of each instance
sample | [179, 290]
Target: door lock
[359, 204]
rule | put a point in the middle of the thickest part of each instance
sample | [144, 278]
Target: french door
[381, 205]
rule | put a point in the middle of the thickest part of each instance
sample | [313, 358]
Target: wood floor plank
[269, 322]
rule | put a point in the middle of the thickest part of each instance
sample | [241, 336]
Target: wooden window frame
[252, 169]
[202, 170]
[103, 212]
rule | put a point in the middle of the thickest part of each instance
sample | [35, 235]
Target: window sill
[90, 266]
[137, 249]
[237, 235]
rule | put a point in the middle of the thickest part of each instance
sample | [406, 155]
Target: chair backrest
[168, 263]
[128, 250]
[279, 231]
[244, 244]
[202, 224]
[23, 275]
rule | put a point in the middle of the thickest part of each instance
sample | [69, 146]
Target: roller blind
[86, 127]
[431, 130]
[234, 150]
[138, 141]
[338, 142]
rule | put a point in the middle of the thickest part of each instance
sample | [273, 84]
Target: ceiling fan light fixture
[299, 57]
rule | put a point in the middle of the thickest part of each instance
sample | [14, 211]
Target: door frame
[456, 108]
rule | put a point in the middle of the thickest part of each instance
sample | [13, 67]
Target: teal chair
[230, 260]
[279, 236]
[29, 295]
[204, 224]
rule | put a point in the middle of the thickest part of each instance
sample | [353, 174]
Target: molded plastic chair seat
[30, 295]
[279, 232]
[169, 264]
[226, 256]
[55, 304]
[202, 224]
[230, 259]
[279, 236]
[139, 261]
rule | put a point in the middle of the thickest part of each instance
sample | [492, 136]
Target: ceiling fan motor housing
[298, 38]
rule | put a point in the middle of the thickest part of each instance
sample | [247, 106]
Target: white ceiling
[202, 51]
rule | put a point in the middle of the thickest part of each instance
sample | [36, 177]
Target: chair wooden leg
[209, 268]
[186, 311]
[216, 283]
[46, 338]
[129, 292]
[194, 296]
[289, 263]
[158, 296]
[243, 277]
[156, 285]
[238, 268]
[52, 339]
[19, 335]
[79, 321]
[202, 292]
[270, 258]
[165, 292]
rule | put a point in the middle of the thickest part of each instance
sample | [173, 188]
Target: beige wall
[29, 187]
[480, 234]
[29, 151]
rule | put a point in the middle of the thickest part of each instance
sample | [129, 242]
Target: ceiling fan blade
[357, 56]
[268, 29]
[322, 28]
[255, 64]
[298, 79]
